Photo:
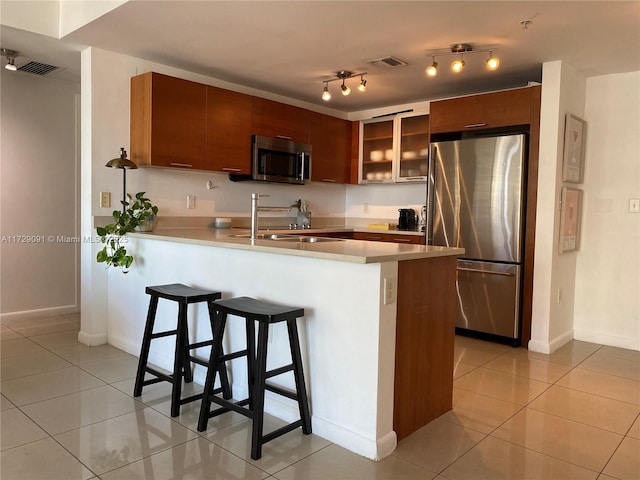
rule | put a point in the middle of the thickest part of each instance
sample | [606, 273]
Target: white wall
[563, 91]
[608, 265]
[39, 195]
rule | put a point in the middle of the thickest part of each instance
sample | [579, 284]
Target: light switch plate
[634, 205]
[389, 288]
[105, 199]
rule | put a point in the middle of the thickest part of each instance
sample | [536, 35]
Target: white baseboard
[586, 335]
[41, 312]
[374, 449]
[551, 346]
[92, 340]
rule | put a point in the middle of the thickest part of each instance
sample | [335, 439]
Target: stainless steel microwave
[280, 160]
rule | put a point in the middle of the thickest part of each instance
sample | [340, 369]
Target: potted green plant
[138, 214]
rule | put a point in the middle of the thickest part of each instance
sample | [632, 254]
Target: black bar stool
[183, 295]
[264, 313]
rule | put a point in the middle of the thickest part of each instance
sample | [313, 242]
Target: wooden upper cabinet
[274, 119]
[168, 121]
[490, 110]
[228, 131]
[330, 139]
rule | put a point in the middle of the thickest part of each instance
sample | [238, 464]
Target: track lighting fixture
[460, 49]
[326, 96]
[457, 65]
[363, 84]
[432, 70]
[11, 56]
[492, 62]
[344, 88]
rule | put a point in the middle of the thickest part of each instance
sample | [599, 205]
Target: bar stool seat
[183, 295]
[264, 313]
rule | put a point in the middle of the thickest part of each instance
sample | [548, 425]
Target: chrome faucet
[255, 208]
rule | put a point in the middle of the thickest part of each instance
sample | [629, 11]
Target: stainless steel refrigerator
[475, 201]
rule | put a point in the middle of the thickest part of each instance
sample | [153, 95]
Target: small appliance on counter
[406, 219]
[422, 225]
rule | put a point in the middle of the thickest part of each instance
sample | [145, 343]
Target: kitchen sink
[302, 239]
[290, 238]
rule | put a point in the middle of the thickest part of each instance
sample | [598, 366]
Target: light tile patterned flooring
[67, 413]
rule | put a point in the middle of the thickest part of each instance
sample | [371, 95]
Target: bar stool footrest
[280, 391]
[279, 371]
[280, 431]
[228, 406]
[168, 333]
[161, 377]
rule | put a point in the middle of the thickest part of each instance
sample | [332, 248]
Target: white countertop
[354, 251]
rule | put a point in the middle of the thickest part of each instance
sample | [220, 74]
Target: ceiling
[290, 47]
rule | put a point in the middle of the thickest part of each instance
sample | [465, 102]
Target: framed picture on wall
[574, 143]
[570, 214]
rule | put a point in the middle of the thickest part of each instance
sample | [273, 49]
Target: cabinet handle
[401, 240]
[229, 169]
[414, 179]
[374, 238]
[475, 125]
[185, 165]
[332, 180]
[284, 137]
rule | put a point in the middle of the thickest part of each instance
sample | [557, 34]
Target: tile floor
[67, 413]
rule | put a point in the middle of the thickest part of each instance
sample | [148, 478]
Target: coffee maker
[422, 226]
[406, 219]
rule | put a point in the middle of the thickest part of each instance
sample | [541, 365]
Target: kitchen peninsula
[377, 337]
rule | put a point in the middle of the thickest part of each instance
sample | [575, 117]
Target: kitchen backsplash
[169, 188]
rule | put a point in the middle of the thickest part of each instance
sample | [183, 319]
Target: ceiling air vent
[37, 68]
[389, 62]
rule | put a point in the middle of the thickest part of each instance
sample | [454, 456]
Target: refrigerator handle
[488, 272]
[433, 150]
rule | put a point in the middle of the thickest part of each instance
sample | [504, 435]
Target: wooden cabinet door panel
[330, 139]
[490, 110]
[228, 130]
[168, 121]
[274, 119]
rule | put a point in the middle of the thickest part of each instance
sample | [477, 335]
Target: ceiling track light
[363, 84]
[11, 56]
[492, 62]
[432, 70]
[326, 96]
[344, 88]
[461, 49]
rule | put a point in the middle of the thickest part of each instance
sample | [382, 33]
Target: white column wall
[563, 91]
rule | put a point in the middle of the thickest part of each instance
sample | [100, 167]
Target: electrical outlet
[634, 205]
[191, 201]
[389, 287]
[105, 199]
[559, 295]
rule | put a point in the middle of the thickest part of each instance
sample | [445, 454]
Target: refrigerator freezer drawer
[488, 297]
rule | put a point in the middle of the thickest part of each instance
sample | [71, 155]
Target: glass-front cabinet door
[394, 149]
[413, 148]
[377, 151]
